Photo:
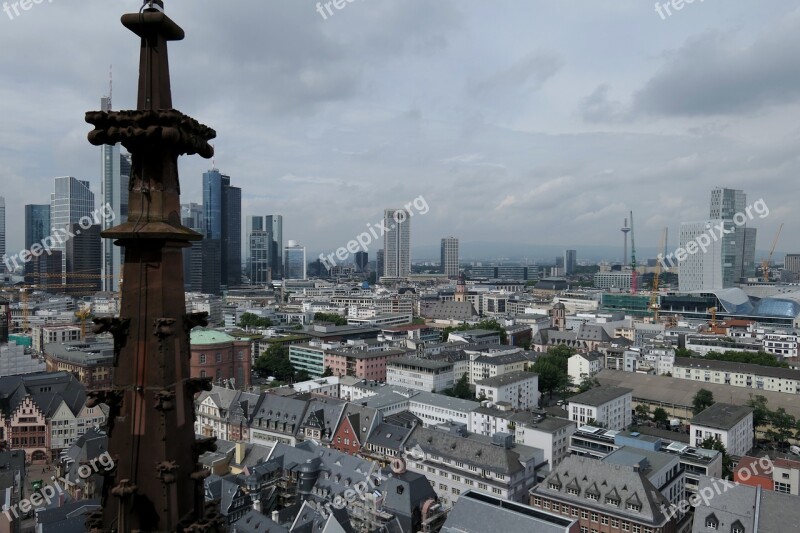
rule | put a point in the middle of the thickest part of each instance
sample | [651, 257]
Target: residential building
[225, 413]
[55, 334]
[737, 508]
[478, 512]
[455, 462]
[449, 257]
[584, 365]
[434, 409]
[421, 374]
[768, 378]
[730, 424]
[15, 360]
[613, 280]
[277, 419]
[778, 474]
[396, 244]
[360, 362]
[355, 425]
[491, 365]
[607, 406]
[294, 261]
[309, 357]
[791, 263]
[223, 358]
[614, 497]
[549, 434]
[520, 389]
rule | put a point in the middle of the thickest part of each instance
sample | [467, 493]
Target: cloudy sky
[530, 122]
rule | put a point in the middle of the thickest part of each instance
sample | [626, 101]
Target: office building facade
[71, 201]
[83, 259]
[714, 268]
[273, 224]
[362, 260]
[222, 213]
[731, 205]
[570, 262]
[37, 228]
[396, 244]
[259, 251]
[449, 257]
[294, 257]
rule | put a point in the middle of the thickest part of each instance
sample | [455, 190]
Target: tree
[588, 383]
[461, 390]
[702, 400]
[683, 352]
[783, 426]
[337, 320]
[761, 412]
[660, 416]
[302, 375]
[328, 372]
[712, 443]
[552, 375]
[642, 411]
[251, 320]
[275, 362]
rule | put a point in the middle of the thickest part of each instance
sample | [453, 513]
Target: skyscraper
[294, 257]
[70, 201]
[37, 228]
[115, 172]
[2, 234]
[730, 205]
[379, 264]
[84, 260]
[201, 261]
[362, 259]
[222, 206]
[449, 257]
[259, 251]
[274, 225]
[570, 261]
[396, 243]
[712, 269]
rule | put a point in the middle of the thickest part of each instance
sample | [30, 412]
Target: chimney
[240, 452]
[275, 517]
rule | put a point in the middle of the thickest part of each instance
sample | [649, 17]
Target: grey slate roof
[612, 482]
[599, 396]
[731, 504]
[255, 522]
[476, 512]
[287, 412]
[324, 413]
[47, 390]
[69, 518]
[450, 311]
[722, 416]
[506, 379]
[389, 436]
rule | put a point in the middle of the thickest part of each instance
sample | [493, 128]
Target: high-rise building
[449, 257]
[294, 259]
[37, 229]
[84, 260]
[570, 261]
[362, 259]
[222, 206]
[201, 261]
[379, 263]
[274, 225]
[396, 243]
[712, 269]
[115, 172]
[2, 235]
[259, 251]
[731, 205]
[791, 263]
[71, 201]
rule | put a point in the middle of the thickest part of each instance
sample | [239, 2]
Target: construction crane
[713, 311]
[655, 307]
[634, 274]
[768, 261]
[83, 313]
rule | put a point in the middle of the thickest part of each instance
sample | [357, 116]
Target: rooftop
[507, 379]
[599, 396]
[417, 362]
[722, 416]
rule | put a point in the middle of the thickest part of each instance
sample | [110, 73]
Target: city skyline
[523, 134]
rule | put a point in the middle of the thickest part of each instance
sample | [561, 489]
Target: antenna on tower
[110, 84]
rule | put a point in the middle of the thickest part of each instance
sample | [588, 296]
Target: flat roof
[599, 396]
[679, 392]
[428, 364]
[737, 368]
[507, 379]
[722, 416]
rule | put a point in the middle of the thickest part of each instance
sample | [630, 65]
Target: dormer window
[634, 507]
[554, 486]
[712, 522]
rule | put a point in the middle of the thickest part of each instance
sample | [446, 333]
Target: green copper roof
[211, 336]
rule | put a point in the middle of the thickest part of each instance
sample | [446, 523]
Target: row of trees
[333, 318]
[251, 320]
[778, 425]
[760, 358]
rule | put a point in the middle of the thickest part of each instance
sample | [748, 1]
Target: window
[737, 529]
[219, 357]
[554, 486]
[594, 517]
[546, 504]
[626, 526]
[637, 528]
[614, 523]
[584, 529]
[572, 491]
[604, 520]
[584, 514]
[591, 496]
[202, 358]
[537, 501]
[575, 512]
[634, 507]
[783, 487]
[612, 501]
[496, 490]
[711, 522]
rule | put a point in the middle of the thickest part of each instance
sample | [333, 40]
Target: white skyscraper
[449, 260]
[712, 269]
[725, 205]
[115, 172]
[396, 244]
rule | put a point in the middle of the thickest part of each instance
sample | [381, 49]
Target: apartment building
[421, 374]
[776, 474]
[583, 365]
[606, 406]
[757, 377]
[519, 389]
[730, 424]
